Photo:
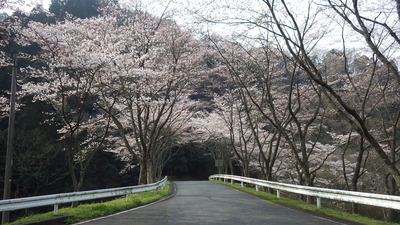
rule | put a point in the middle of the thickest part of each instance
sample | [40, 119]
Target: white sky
[185, 11]
[24, 5]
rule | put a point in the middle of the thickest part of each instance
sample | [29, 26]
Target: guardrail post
[318, 203]
[256, 187]
[56, 209]
[241, 183]
[278, 194]
[127, 197]
[232, 181]
[224, 180]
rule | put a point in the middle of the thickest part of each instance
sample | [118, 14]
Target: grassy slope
[302, 205]
[86, 211]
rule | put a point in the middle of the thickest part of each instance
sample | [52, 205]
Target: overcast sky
[217, 9]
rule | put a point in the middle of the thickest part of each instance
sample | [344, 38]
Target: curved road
[203, 202]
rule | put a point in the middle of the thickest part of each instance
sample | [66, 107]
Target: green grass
[310, 207]
[86, 211]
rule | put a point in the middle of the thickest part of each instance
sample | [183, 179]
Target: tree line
[272, 102]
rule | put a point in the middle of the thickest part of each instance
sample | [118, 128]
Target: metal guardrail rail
[56, 199]
[379, 200]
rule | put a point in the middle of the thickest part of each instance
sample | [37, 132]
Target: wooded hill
[113, 96]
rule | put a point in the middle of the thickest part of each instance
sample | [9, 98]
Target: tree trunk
[391, 189]
[143, 172]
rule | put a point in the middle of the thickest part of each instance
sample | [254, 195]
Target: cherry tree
[66, 81]
[357, 78]
[210, 129]
[240, 134]
[366, 83]
[144, 89]
[275, 86]
[299, 38]
[132, 66]
[378, 30]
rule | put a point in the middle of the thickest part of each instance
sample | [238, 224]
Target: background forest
[114, 94]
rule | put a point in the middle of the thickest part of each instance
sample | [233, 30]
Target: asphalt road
[203, 202]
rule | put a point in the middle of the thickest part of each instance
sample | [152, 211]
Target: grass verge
[86, 211]
[309, 207]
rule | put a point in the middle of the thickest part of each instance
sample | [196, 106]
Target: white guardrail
[379, 200]
[56, 199]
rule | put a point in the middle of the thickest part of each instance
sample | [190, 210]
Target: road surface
[203, 202]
